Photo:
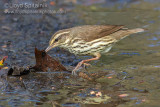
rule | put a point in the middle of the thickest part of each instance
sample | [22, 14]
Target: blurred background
[26, 24]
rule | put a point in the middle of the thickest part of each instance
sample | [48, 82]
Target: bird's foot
[74, 72]
[98, 55]
[87, 64]
[77, 67]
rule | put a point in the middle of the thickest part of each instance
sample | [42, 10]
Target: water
[133, 63]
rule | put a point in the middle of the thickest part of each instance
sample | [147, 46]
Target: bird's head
[58, 39]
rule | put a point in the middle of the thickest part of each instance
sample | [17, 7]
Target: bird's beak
[49, 48]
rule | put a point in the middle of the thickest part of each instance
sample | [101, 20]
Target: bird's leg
[97, 56]
[86, 64]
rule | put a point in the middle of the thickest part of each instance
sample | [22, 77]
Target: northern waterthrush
[89, 40]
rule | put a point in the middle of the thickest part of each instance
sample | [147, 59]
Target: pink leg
[98, 55]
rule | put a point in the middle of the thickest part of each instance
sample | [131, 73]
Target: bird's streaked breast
[86, 48]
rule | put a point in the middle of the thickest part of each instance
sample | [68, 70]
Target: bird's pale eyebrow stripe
[59, 35]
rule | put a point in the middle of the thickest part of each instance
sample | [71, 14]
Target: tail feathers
[126, 32]
[137, 30]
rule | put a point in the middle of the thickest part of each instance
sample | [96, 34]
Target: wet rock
[6, 28]
[15, 19]
[17, 71]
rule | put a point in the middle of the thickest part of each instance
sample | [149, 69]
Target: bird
[90, 40]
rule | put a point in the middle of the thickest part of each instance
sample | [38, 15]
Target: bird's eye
[56, 39]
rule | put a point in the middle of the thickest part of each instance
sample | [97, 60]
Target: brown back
[92, 32]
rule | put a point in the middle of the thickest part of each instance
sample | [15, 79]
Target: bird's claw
[74, 72]
[76, 68]
[87, 64]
